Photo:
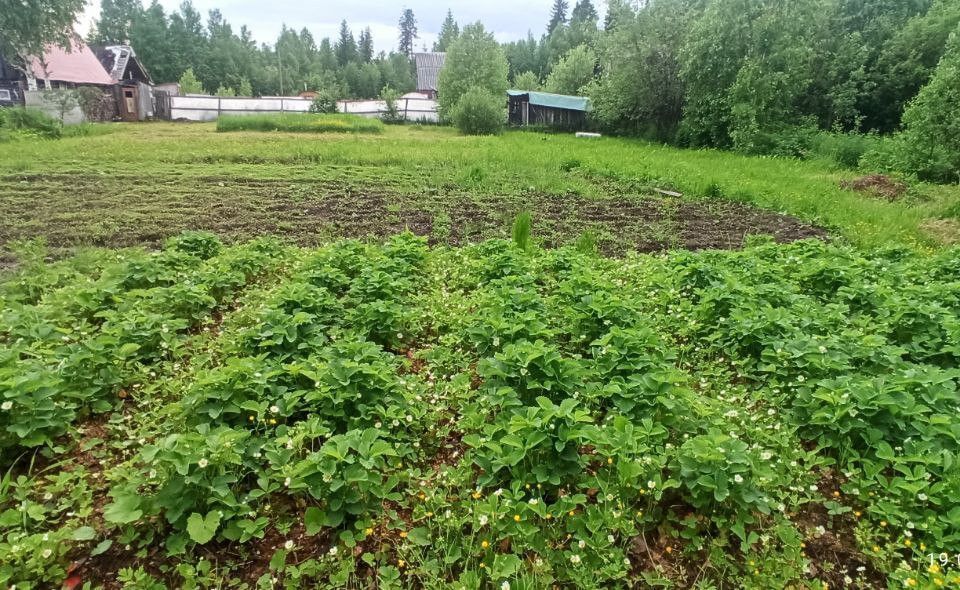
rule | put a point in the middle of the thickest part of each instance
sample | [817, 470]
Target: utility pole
[280, 61]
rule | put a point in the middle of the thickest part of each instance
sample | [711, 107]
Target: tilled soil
[115, 211]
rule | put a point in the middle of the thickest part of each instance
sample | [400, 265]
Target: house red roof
[79, 66]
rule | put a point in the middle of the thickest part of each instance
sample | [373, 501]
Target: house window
[5, 95]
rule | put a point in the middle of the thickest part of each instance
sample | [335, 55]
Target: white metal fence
[209, 108]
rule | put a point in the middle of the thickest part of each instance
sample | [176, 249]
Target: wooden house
[134, 91]
[56, 69]
[428, 67]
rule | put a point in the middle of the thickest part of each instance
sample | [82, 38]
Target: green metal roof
[556, 101]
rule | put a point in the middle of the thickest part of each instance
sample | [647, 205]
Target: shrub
[899, 154]
[392, 113]
[844, 149]
[478, 112]
[325, 102]
[30, 122]
[300, 123]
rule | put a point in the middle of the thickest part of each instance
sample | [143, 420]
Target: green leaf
[101, 547]
[420, 536]
[278, 560]
[314, 519]
[505, 566]
[202, 530]
[84, 533]
[176, 544]
[128, 349]
[124, 509]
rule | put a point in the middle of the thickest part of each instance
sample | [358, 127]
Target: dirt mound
[877, 185]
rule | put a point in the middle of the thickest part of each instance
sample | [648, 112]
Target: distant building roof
[555, 101]
[428, 69]
[122, 63]
[79, 66]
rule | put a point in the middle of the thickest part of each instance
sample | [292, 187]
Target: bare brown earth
[116, 211]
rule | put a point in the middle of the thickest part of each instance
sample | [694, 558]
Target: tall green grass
[300, 123]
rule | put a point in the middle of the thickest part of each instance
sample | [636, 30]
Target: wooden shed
[548, 110]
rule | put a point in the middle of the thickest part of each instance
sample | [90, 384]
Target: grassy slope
[139, 163]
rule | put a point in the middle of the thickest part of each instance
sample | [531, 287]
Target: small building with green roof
[543, 109]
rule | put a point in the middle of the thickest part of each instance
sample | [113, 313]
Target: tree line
[211, 56]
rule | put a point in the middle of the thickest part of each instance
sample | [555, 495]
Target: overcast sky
[508, 19]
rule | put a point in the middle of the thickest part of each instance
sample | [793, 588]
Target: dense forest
[758, 76]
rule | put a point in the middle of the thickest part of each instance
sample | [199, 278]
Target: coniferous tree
[584, 12]
[408, 31]
[449, 31]
[558, 15]
[366, 46]
[346, 46]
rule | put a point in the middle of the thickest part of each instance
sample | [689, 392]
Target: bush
[844, 149]
[29, 122]
[325, 102]
[900, 155]
[300, 123]
[392, 114]
[478, 112]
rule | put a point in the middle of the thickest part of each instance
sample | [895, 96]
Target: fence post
[219, 106]
[281, 105]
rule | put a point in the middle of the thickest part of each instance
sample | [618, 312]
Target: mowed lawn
[139, 183]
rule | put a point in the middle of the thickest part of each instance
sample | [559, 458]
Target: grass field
[270, 406]
[300, 123]
[142, 183]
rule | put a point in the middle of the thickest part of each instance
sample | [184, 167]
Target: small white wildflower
[409, 418]
[922, 497]
[499, 492]
[203, 463]
[378, 425]
[505, 585]
[738, 478]
[287, 482]
[288, 545]
[575, 559]
[611, 538]
[274, 409]
[581, 544]
[333, 550]
[47, 553]
[483, 520]
[651, 484]
[533, 501]
[6, 405]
